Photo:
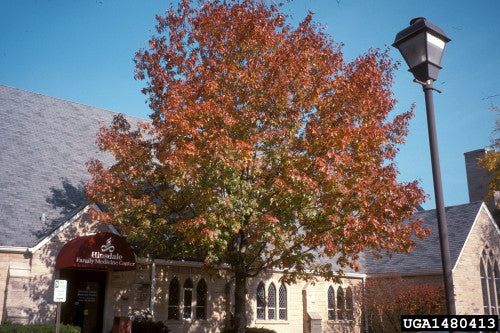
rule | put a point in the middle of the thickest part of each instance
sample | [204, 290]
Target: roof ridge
[453, 206]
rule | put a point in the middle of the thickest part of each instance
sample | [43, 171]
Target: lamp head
[422, 46]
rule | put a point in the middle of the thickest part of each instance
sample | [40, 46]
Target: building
[474, 239]
[47, 234]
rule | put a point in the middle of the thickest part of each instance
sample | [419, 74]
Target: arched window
[491, 288]
[340, 304]
[271, 302]
[488, 269]
[201, 300]
[331, 303]
[188, 299]
[497, 283]
[348, 304]
[492, 270]
[484, 287]
[173, 299]
[261, 301]
[282, 302]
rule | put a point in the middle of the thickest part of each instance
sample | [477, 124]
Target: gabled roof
[44, 144]
[426, 256]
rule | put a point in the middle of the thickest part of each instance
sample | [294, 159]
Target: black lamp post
[422, 45]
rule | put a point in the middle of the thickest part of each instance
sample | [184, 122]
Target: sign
[99, 251]
[60, 290]
[88, 294]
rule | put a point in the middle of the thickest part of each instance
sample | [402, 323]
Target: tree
[266, 149]
[388, 298]
[491, 161]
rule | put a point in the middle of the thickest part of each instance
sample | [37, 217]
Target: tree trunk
[240, 295]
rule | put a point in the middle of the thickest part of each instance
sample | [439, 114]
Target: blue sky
[82, 50]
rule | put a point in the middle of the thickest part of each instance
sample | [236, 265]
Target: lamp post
[422, 45]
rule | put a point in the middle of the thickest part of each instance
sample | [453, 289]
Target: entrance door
[84, 304]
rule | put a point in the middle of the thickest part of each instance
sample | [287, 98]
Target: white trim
[491, 217]
[343, 275]
[14, 249]
[59, 229]
[396, 274]
[354, 275]
[174, 262]
[54, 233]
[184, 263]
[271, 322]
[467, 238]
[113, 229]
[483, 206]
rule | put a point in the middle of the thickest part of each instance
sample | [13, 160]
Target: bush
[143, 323]
[387, 299]
[250, 330]
[37, 328]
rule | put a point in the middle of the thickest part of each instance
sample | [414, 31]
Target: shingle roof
[44, 144]
[426, 256]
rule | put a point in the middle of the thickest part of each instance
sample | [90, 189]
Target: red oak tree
[265, 149]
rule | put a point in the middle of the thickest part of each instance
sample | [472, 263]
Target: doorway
[84, 306]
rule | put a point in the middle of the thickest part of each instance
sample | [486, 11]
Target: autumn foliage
[387, 299]
[491, 161]
[265, 149]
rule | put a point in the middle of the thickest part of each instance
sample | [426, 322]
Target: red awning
[100, 251]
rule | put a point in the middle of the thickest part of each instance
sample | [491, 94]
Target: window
[488, 269]
[271, 302]
[275, 307]
[484, 288]
[493, 282]
[340, 304]
[261, 301]
[331, 304]
[201, 300]
[491, 288]
[188, 299]
[282, 302]
[173, 299]
[497, 283]
[348, 304]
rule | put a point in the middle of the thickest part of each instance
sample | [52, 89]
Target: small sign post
[59, 297]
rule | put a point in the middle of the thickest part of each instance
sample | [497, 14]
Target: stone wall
[466, 274]
[43, 272]
[14, 284]
[127, 294]
[221, 302]
[216, 297]
[27, 279]
[317, 303]
[294, 320]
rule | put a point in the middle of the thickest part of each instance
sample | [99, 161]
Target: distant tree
[491, 161]
[386, 299]
[265, 150]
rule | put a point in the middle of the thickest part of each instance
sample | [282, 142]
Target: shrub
[143, 323]
[250, 330]
[387, 299]
[36, 328]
